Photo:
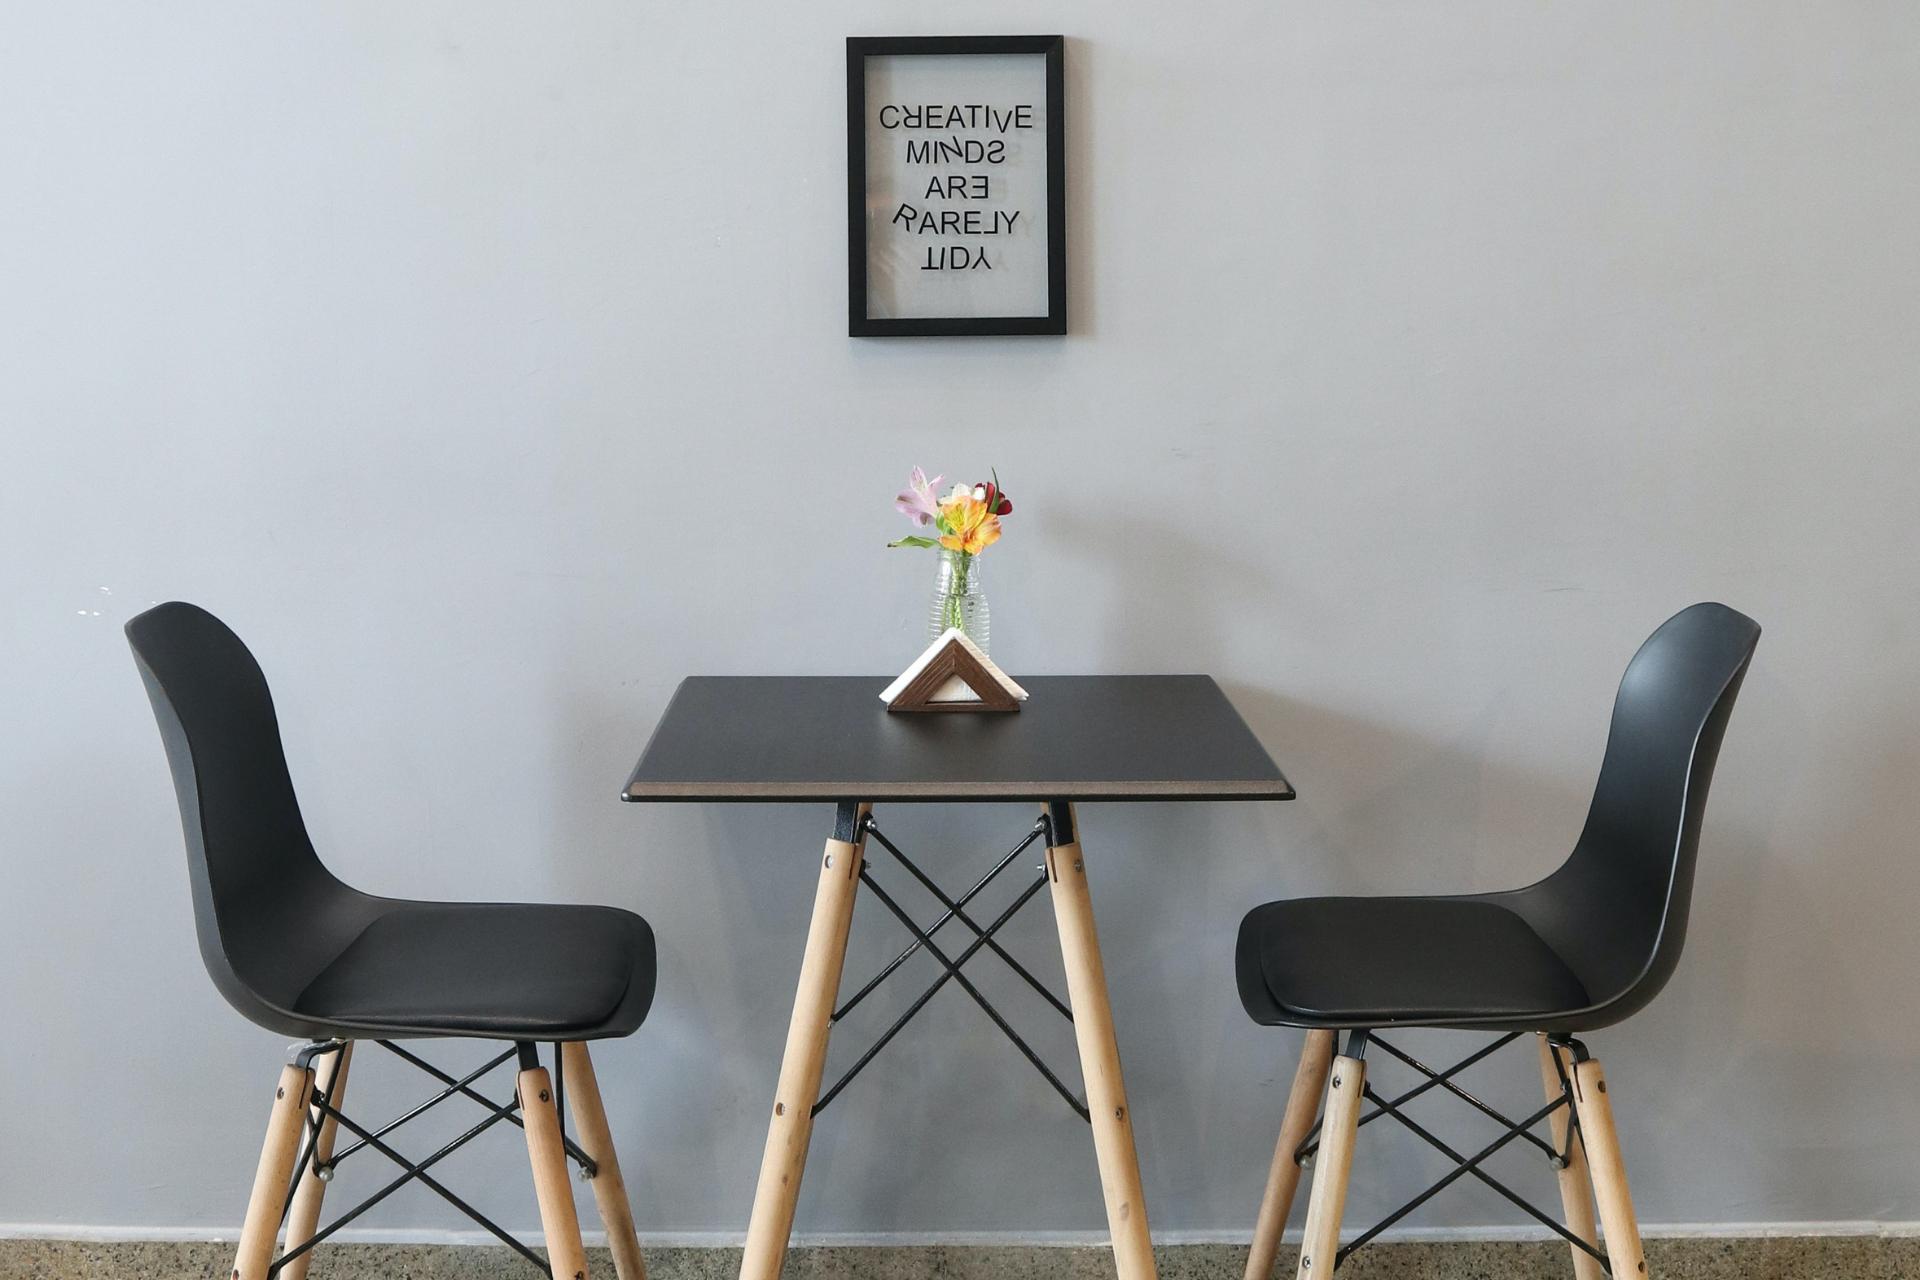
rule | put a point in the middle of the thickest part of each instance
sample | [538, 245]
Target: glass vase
[958, 600]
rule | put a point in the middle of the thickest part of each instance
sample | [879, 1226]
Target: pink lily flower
[917, 502]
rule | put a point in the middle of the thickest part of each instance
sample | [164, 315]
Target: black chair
[304, 955]
[1584, 948]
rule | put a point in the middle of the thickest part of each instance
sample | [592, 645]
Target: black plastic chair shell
[1584, 948]
[303, 954]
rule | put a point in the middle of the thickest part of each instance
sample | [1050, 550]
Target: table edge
[868, 792]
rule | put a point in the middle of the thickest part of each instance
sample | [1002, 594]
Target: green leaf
[914, 542]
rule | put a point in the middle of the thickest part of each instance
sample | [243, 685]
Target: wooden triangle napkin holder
[953, 674]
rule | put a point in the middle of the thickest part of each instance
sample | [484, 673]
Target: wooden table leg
[1283, 1179]
[1099, 1051]
[791, 1126]
[304, 1216]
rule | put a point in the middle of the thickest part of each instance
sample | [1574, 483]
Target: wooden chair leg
[1303, 1107]
[791, 1126]
[304, 1216]
[1625, 1257]
[1113, 1147]
[1576, 1188]
[1331, 1168]
[596, 1139]
[559, 1220]
[273, 1174]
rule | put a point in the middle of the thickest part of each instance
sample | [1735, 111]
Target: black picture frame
[859, 323]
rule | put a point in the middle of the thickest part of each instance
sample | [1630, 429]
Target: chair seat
[1377, 962]
[498, 971]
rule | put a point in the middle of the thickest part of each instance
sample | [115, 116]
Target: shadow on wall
[1198, 580]
[1385, 810]
[1788, 928]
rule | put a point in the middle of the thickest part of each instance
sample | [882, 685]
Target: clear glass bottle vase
[958, 600]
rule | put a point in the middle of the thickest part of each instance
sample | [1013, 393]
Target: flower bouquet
[964, 523]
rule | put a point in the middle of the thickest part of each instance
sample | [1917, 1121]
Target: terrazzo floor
[1772, 1258]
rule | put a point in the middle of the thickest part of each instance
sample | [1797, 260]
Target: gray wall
[484, 365]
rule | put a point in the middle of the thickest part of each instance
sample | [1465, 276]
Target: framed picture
[956, 186]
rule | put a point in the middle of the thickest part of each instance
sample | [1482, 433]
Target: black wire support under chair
[1465, 1165]
[321, 1108]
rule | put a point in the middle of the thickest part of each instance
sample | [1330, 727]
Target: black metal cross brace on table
[950, 965]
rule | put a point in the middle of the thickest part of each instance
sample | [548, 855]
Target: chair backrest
[267, 912]
[1617, 910]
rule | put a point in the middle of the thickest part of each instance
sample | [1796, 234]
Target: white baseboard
[910, 1239]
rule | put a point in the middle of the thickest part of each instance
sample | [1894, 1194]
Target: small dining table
[829, 739]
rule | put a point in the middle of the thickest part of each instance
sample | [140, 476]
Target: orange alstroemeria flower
[972, 522]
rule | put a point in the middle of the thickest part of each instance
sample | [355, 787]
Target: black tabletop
[831, 738]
